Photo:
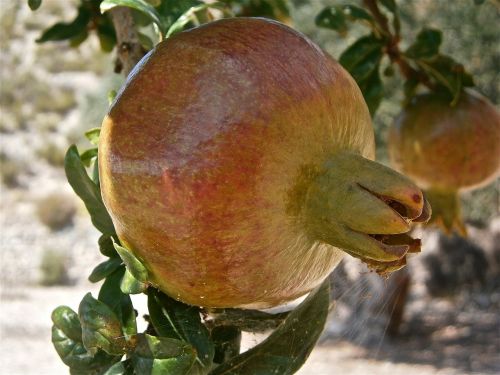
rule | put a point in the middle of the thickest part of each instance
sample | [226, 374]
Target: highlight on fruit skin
[236, 165]
[447, 149]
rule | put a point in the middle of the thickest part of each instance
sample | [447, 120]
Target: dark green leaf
[146, 42]
[106, 246]
[227, 342]
[79, 39]
[63, 31]
[389, 5]
[427, 44]
[365, 68]
[288, 347]
[373, 90]
[130, 285]
[359, 51]
[67, 340]
[174, 319]
[448, 73]
[133, 264]
[479, 2]
[332, 17]
[107, 36]
[105, 269]
[161, 356]
[121, 368]
[87, 156]
[34, 4]
[87, 190]
[101, 328]
[118, 302]
[140, 5]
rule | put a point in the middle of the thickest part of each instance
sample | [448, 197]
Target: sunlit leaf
[288, 347]
[87, 156]
[105, 269]
[120, 303]
[101, 328]
[162, 356]
[140, 5]
[130, 285]
[67, 340]
[87, 190]
[134, 265]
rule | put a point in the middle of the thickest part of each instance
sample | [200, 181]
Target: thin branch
[392, 47]
[130, 50]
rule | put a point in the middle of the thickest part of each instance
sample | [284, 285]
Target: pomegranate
[235, 164]
[447, 149]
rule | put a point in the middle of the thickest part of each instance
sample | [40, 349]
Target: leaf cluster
[421, 64]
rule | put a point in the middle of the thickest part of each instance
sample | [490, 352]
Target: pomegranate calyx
[365, 209]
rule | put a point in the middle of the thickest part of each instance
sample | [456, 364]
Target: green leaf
[356, 13]
[410, 88]
[227, 341]
[448, 73]
[107, 36]
[479, 2]
[67, 320]
[174, 319]
[119, 303]
[288, 347]
[139, 5]
[133, 264]
[335, 17]
[130, 285]
[390, 5]
[34, 4]
[365, 68]
[189, 16]
[104, 269]
[87, 156]
[170, 11]
[106, 246]
[63, 31]
[426, 46]
[161, 356]
[359, 51]
[120, 368]
[101, 328]
[373, 91]
[67, 340]
[332, 17]
[87, 190]
[93, 135]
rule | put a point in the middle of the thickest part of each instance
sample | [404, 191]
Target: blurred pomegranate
[447, 149]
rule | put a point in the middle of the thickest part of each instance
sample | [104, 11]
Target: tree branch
[130, 50]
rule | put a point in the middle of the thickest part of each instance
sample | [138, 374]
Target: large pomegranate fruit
[447, 149]
[235, 165]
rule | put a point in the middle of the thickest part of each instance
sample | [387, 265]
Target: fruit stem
[446, 211]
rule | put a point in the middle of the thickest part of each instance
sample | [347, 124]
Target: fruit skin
[209, 155]
[447, 149]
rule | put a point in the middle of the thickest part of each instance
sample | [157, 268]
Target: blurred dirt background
[51, 93]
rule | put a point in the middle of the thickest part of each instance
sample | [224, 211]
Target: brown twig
[392, 47]
[130, 50]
